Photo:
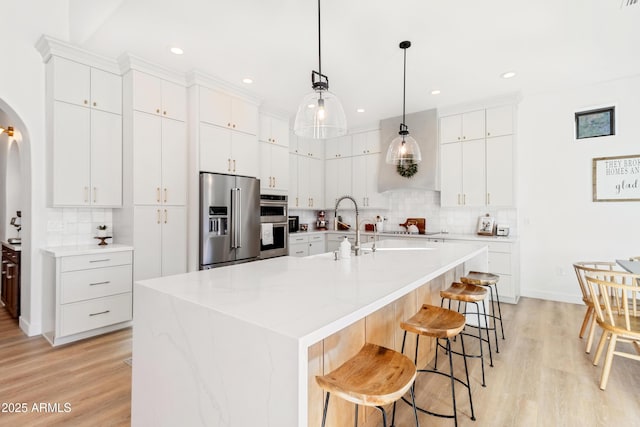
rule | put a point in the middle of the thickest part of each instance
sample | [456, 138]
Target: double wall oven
[274, 217]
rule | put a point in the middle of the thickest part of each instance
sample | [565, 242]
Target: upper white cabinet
[273, 130]
[478, 171]
[274, 167]
[462, 127]
[306, 189]
[366, 142]
[85, 128]
[338, 179]
[228, 111]
[364, 181]
[84, 85]
[159, 159]
[337, 147]
[158, 96]
[306, 146]
[226, 151]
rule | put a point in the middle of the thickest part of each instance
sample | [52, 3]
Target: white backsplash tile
[76, 226]
[416, 204]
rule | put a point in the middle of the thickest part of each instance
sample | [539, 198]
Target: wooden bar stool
[440, 323]
[376, 376]
[489, 280]
[470, 294]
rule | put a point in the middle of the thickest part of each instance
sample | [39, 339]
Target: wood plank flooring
[540, 378]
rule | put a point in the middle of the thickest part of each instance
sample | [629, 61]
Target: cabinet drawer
[499, 247]
[316, 238]
[499, 263]
[299, 249]
[298, 239]
[95, 283]
[83, 262]
[96, 313]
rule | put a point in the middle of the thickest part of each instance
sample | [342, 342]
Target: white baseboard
[551, 296]
[29, 329]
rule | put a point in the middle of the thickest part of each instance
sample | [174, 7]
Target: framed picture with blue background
[596, 123]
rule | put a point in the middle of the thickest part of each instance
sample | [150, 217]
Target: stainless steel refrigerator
[229, 219]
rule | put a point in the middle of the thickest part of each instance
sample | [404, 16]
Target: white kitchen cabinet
[226, 151]
[338, 173]
[159, 159]
[500, 121]
[500, 173]
[158, 96]
[84, 104]
[463, 173]
[365, 181]
[81, 84]
[478, 171]
[307, 147]
[306, 182]
[273, 130]
[337, 147]
[91, 293]
[301, 245]
[159, 236]
[274, 167]
[86, 159]
[228, 111]
[462, 127]
[366, 142]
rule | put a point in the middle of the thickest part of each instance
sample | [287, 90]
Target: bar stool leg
[324, 411]
[486, 320]
[453, 384]
[355, 419]
[499, 311]
[493, 315]
[466, 371]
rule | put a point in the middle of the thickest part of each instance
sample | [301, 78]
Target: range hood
[424, 128]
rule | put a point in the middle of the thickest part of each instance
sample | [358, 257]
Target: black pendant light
[404, 150]
[320, 114]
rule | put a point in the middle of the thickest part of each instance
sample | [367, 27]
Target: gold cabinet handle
[165, 195]
[164, 113]
[158, 194]
[228, 124]
[296, 201]
[234, 126]
[158, 110]
[234, 165]
[95, 104]
[274, 182]
[95, 194]
[464, 198]
[86, 102]
[488, 198]
[86, 194]
[158, 216]
[228, 165]
[166, 216]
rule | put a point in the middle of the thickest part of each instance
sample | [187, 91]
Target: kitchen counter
[209, 345]
[62, 251]
[17, 248]
[440, 236]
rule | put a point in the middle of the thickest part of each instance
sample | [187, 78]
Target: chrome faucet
[356, 247]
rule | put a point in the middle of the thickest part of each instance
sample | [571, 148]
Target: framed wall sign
[486, 225]
[594, 123]
[616, 179]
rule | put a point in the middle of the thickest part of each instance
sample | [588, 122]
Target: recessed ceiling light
[508, 74]
[176, 50]
[435, 92]
[247, 80]
[360, 110]
[311, 106]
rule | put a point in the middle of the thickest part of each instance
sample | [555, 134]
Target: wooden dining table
[630, 265]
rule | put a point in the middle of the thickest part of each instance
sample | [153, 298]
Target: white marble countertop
[17, 248]
[310, 298]
[444, 236]
[62, 251]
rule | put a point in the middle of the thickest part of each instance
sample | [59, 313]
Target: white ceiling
[459, 47]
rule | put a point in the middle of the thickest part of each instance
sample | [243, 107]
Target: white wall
[559, 224]
[22, 92]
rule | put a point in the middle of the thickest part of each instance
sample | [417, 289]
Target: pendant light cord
[404, 84]
[319, 44]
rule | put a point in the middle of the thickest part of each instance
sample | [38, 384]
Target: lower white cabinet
[89, 292]
[160, 239]
[301, 245]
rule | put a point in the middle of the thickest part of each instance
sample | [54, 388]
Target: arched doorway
[15, 193]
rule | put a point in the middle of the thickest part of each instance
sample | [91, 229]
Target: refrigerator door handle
[239, 218]
[234, 215]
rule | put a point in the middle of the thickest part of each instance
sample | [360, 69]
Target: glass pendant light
[320, 114]
[404, 150]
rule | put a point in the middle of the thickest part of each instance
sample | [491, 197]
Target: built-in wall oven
[274, 223]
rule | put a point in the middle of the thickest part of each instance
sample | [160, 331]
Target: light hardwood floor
[540, 378]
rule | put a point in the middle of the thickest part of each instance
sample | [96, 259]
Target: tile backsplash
[417, 204]
[76, 226]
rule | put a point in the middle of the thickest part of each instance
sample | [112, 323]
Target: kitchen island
[239, 345]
